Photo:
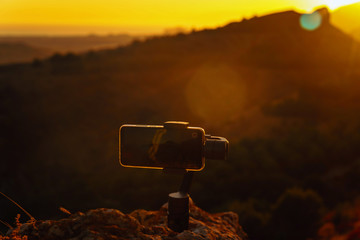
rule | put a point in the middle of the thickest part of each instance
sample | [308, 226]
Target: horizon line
[101, 30]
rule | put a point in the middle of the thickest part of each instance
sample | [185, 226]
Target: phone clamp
[176, 124]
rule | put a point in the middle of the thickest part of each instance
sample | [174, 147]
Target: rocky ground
[141, 224]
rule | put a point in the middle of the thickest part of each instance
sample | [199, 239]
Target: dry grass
[15, 233]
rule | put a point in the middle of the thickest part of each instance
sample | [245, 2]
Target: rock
[140, 224]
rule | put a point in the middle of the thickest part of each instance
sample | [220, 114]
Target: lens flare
[216, 94]
[311, 21]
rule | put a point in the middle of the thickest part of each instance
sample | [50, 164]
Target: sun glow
[334, 4]
[141, 16]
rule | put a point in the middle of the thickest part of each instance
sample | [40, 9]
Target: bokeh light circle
[216, 93]
[311, 21]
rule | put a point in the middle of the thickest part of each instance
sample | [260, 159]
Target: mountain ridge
[283, 44]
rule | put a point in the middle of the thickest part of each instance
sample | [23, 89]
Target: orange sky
[74, 17]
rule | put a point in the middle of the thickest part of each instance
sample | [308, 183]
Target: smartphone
[158, 147]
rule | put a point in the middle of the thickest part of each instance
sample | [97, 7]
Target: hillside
[285, 97]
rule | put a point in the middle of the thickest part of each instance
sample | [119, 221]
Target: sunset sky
[74, 17]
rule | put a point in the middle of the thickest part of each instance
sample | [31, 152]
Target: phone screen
[158, 147]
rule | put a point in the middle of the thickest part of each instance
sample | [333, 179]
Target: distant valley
[26, 48]
[15, 52]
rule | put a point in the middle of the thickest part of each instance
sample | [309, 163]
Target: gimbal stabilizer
[178, 202]
[173, 147]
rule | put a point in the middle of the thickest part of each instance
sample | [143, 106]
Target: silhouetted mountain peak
[288, 21]
[325, 14]
[272, 22]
